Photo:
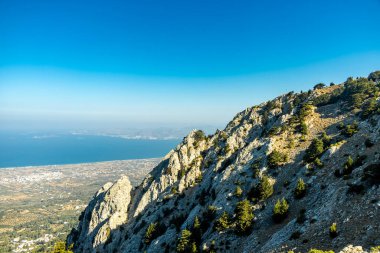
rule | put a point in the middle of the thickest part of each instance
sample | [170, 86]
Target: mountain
[300, 173]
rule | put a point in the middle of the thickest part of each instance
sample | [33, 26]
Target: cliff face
[316, 151]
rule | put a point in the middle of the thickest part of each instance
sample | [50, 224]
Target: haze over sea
[30, 149]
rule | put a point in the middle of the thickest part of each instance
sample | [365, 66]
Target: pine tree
[265, 188]
[244, 217]
[280, 210]
[194, 248]
[315, 149]
[197, 231]
[223, 222]
[300, 190]
[150, 231]
[333, 231]
[184, 241]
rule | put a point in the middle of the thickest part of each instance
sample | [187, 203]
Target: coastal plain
[40, 205]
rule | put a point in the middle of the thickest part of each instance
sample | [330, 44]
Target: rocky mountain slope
[296, 173]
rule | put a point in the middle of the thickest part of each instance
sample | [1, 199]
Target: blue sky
[87, 64]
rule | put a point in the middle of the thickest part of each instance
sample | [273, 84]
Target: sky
[117, 64]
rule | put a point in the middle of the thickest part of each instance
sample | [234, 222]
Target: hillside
[296, 173]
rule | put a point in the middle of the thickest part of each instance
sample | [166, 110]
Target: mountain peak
[291, 174]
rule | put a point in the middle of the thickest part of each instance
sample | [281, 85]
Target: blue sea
[52, 149]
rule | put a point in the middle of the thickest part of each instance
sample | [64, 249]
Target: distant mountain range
[160, 133]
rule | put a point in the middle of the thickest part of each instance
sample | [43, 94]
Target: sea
[30, 149]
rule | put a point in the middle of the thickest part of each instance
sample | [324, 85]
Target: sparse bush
[300, 190]
[375, 249]
[348, 166]
[280, 210]
[223, 223]
[333, 230]
[276, 158]
[318, 163]
[244, 217]
[238, 191]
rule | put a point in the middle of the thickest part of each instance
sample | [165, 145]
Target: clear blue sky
[80, 64]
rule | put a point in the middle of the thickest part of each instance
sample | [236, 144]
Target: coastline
[82, 163]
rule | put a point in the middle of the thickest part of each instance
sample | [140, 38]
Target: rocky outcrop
[105, 213]
[320, 136]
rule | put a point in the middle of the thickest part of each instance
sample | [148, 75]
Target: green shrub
[318, 163]
[300, 190]
[60, 247]
[198, 137]
[153, 231]
[174, 190]
[276, 158]
[305, 111]
[326, 140]
[184, 241]
[261, 191]
[280, 210]
[375, 249]
[320, 251]
[244, 217]
[223, 223]
[356, 91]
[303, 128]
[374, 76]
[150, 232]
[322, 100]
[197, 231]
[369, 108]
[315, 149]
[333, 230]
[348, 166]
[319, 86]
[238, 191]
[194, 248]
[350, 130]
